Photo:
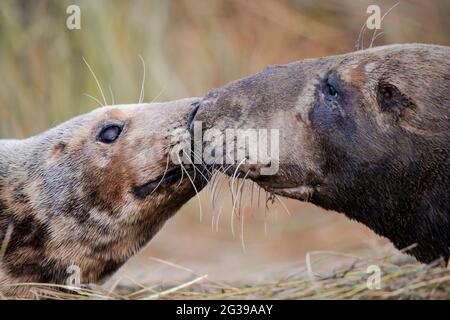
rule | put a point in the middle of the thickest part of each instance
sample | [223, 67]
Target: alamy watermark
[374, 20]
[73, 21]
[374, 280]
[259, 148]
[74, 278]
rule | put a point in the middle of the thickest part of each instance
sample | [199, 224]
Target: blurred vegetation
[188, 46]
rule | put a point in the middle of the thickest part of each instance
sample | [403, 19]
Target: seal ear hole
[390, 99]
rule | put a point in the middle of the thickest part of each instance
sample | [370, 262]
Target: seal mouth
[170, 177]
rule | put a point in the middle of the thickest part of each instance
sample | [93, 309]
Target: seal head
[364, 133]
[91, 192]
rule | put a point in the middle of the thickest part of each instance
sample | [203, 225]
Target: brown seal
[90, 193]
[366, 134]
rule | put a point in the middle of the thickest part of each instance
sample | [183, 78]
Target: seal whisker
[373, 40]
[96, 81]
[113, 102]
[360, 41]
[158, 95]
[214, 183]
[197, 157]
[235, 199]
[212, 175]
[382, 18]
[217, 183]
[193, 185]
[266, 211]
[283, 205]
[220, 186]
[182, 171]
[240, 192]
[259, 195]
[164, 175]
[201, 173]
[213, 180]
[93, 98]
[141, 95]
[242, 233]
[251, 193]
[181, 180]
[240, 215]
[234, 176]
[220, 183]
[218, 218]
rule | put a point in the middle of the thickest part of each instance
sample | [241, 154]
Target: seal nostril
[191, 117]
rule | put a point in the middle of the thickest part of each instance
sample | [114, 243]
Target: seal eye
[331, 91]
[330, 85]
[109, 134]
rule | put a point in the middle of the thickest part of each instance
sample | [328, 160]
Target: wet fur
[379, 153]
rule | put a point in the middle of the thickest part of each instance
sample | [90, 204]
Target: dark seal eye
[331, 91]
[109, 134]
[391, 99]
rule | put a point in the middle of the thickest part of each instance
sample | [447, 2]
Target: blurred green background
[189, 47]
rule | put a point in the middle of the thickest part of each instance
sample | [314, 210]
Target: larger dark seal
[88, 194]
[366, 134]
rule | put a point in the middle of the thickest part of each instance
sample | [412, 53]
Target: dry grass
[401, 278]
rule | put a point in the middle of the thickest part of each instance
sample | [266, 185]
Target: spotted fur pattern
[68, 199]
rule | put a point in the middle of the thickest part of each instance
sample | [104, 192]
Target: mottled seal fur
[366, 134]
[81, 196]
